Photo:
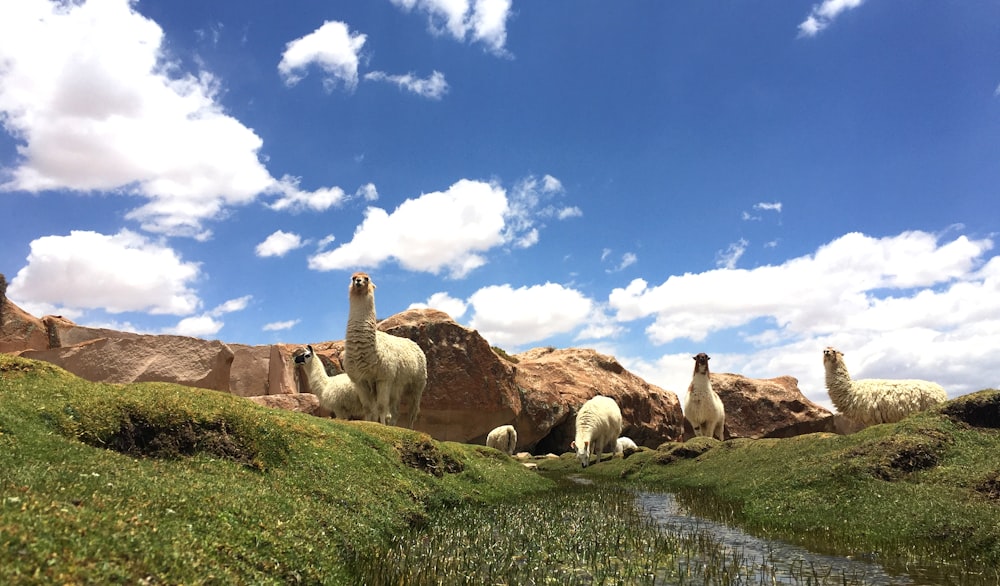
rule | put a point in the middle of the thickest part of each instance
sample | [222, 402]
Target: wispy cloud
[728, 258]
[281, 325]
[482, 21]
[433, 87]
[822, 15]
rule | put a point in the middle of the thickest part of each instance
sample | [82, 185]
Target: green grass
[156, 483]
[924, 491]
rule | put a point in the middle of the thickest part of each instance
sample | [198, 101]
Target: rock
[138, 358]
[249, 375]
[774, 407]
[470, 389]
[557, 382]
[19, 330]
[301, 402]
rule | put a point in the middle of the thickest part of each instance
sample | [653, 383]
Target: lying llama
[386, 368]
[874, 401]
[703, 407]
[337, 394]
[598, 424]
[625, 443]
[503, 438]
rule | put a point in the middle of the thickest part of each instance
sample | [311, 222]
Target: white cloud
[367, 192]
[85, 86]
[279, 243]
[823, 14]
[238, 304]
[294, 199]
[443, 302]
[281, 325]
[507, 316]
[843, 286]
[437, 231]
[198, 326]
[118, 273]
[628, 259]
[482, 21]
[774, 206]
[332, 47]
[569, 212]
[433, 87]
[730, 256]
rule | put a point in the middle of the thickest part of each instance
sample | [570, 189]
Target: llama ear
[572, 445]
[310, 348]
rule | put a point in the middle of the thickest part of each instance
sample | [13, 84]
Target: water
[753, 560]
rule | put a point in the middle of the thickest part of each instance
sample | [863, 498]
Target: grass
[925, 491]
[155, 483]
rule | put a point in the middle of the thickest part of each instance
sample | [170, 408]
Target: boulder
[557, 382]
[773, 407]
[470, 389]
[19, 330]
[138, 358]
[250, 373]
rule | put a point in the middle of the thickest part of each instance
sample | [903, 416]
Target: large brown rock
[301, 402]
[138, 358]
[249, 374]
[19, 330]
[470, 389]
[773, 407]
[557, 382]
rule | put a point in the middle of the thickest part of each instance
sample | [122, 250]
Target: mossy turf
[156, 483]
[925, 490]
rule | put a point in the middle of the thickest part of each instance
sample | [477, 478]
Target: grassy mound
[156, 483]
[926, 489]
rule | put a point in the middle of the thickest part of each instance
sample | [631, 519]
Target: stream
[769, 561]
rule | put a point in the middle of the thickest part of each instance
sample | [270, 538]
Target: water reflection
[765, 561]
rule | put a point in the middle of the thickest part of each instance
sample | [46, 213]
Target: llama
[386, 368]
[625, 443]
[598, 424]
[703, 407]
[503, 438]
[337, 394]
[874, 401]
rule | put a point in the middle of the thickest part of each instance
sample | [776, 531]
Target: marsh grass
[162, 484]
[580, 534]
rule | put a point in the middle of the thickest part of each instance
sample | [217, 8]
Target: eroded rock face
[137, 358]
[557, 382]
[19, 330]
[470, 389]
[773, 407]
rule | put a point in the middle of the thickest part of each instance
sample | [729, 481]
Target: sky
[757, 180]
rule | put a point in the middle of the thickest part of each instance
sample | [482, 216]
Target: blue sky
[756, 180]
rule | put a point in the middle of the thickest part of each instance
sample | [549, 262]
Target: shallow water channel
[602, 533]
[752, 560]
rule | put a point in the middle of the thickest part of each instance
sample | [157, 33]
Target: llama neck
[701, 383]
[838, 384]
[360, 338]
[315, 370]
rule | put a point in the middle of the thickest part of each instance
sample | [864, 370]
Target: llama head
[582, 452]
[301, 355]
[832, 356]
[361, 284]
[701, 363]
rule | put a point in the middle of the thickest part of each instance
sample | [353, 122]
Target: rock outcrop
[773, 407]
[557, 382]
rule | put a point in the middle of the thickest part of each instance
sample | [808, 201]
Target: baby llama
[503, 438]
[386, 368]
[703, 407]
[598, 424]
[337, 394]
[874, 401]
[625, 443]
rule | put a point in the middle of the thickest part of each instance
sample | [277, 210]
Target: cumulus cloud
[332, 48]
[293, 199]
[483, 21]
[845, 284]
[514, 317]
[433, 87]
[444, 302]
[279, 243]
[444, 231]
[117, 273]
[823, 14]
[207, 324]
[280, 325]
[83, 88]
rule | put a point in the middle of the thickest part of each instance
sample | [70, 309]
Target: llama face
[831, 356]
[361, 284]
[301, 355]
[701, 363]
